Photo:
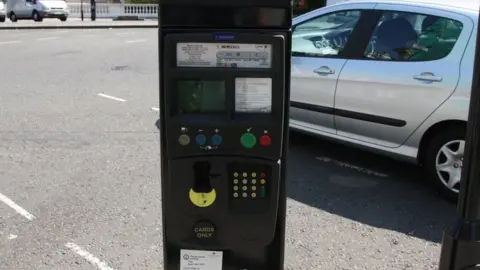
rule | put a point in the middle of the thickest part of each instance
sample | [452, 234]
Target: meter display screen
[200, 96]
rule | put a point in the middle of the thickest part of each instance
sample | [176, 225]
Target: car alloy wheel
[449, 163]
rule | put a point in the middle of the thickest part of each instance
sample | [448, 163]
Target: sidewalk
[76, 23]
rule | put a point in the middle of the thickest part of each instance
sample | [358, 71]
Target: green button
[184, 139]
[248, 140]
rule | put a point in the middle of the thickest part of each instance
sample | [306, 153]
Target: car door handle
[428, 76]
[324, 70]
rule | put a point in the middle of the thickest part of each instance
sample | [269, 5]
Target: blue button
[216, 140]
[200, 139]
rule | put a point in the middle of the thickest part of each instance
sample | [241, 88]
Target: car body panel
[313, 93]
[389, 91]
[450, 100]
[457, 106]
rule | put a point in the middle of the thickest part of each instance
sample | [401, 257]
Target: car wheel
[12, 17]
[2, 19]
[444, 162]
[36, 17]
[63, 19]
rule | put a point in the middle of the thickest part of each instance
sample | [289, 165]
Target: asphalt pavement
[80, 175]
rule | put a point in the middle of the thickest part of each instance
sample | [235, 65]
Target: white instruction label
[253, 95]
[200, 260]
[229, 55]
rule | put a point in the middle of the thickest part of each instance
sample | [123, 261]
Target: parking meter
[224, 95]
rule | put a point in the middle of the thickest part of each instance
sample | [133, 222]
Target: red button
[265, 140]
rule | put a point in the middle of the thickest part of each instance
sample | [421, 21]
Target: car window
[401, 36]
[325, 35]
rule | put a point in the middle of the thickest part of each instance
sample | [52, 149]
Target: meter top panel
[225, 14]
[233, 3]
[224, 94]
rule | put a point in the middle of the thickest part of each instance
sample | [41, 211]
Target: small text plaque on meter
[253, 95]
[229, 55]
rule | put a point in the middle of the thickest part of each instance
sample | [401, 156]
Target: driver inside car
[394, 37]
[434, 42]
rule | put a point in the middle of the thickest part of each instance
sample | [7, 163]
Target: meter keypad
[248, 187]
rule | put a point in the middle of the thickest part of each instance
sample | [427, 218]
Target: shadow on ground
[402, 201]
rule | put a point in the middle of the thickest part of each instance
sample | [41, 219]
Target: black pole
[93, 10]
[81, 9]
[461, 242]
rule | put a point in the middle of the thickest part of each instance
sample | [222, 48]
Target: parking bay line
[9, 42]
[123, 33]
[111, 97]
[16, 207]
[135, 41]
[88, 256]
[353, 167]
[47, 38]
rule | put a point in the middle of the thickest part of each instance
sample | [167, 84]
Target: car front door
[30, 6]
[409, 68]
[318, 56]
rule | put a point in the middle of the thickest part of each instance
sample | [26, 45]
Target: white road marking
[12, 236]
[135, 41]
[155, 109]
[353, 167]
[47, 38]
[111, 97]
[16, 207]
[9, 42]
[88, 256]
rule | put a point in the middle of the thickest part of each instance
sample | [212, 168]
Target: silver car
[2, 11]
[393, 77]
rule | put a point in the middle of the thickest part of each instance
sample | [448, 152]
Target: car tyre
[36, 16]
[63, 19]
[444, 162]
[2, 19]
[12, 17]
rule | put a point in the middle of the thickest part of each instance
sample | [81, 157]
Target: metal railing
[104, 10]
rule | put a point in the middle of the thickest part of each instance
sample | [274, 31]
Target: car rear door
[319, 52]
[385, 96]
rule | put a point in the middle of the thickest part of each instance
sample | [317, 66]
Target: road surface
[80, 176]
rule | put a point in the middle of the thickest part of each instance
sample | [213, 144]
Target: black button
[204, 230]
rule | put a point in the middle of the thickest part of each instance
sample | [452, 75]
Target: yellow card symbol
[202, 199]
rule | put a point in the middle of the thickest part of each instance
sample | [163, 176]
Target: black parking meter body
[93, 10]
[461, 241]
[224, 95]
